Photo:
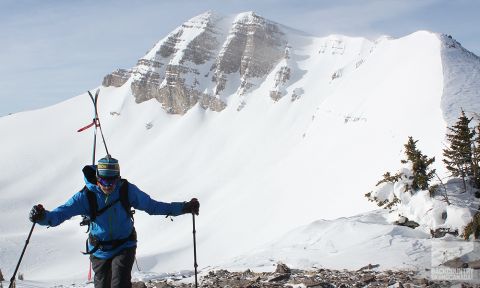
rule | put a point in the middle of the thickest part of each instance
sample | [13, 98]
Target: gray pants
[115, 272]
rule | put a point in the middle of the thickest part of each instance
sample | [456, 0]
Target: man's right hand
[37, 213]
[192, 206]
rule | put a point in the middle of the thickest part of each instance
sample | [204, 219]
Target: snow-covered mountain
[206, 60]
[269, 127]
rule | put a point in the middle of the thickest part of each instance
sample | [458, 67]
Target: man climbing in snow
[106, 200]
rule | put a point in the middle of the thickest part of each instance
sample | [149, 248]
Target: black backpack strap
[124, 198]
[92, 204]
[92, 207]
[89, 173]
[100, 245]
[100, 212]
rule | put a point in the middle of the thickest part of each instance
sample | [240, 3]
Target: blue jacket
[114, 223]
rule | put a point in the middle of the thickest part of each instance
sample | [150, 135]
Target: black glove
[37, 213]
[193, 206]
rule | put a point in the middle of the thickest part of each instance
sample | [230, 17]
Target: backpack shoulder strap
[92, 203]
[124, 198]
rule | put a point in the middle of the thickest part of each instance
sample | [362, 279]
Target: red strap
[90, 272]
[86, 127]
[95, 122]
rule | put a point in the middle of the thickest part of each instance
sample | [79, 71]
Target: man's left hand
[193, 206]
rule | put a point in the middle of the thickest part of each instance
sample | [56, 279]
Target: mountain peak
[247, 16]
[212, 58]
[192, 64]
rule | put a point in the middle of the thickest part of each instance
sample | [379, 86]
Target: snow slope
[344, 243]
[258, 172]
[354, 242]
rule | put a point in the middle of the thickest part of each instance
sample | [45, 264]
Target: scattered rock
[162, 284]
[441, 232]
[474, 264]
[456, 263]
[282, 269]
[403, 221]
[322, 285]
[279, 278]
[369, 267]
[421, 281]
[368, 279]
[366, 276]
[139, 285]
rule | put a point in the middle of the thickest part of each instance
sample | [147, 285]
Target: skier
[112, 239]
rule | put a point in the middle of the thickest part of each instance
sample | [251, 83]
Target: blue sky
[52, 50]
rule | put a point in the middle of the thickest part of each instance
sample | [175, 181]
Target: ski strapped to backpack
[95, 123]
[95, 212]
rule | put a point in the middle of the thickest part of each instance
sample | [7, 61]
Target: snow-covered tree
[458, 155]
[416, 177]
[473, 227]
[476, 158]
[422, 174]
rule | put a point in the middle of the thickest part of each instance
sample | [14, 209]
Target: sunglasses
[107, 182]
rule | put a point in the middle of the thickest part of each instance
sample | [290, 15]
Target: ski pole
[21, 256]
[194, 250]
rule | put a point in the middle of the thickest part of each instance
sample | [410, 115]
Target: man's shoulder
[129, 185]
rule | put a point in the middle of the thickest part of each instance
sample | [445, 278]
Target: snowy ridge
[461, 72]
[261, 170]
[354, 242]
[344, 243]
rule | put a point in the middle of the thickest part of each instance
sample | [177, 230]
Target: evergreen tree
[458, 156]
[472, 228]
[422, 174]
[421, 177]
[476, 158]
[386, 204]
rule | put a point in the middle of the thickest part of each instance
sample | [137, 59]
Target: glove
[37, 213]
[193, 206]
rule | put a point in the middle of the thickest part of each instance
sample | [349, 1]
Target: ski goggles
[107, 182]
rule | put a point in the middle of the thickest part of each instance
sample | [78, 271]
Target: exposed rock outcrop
[404, 221]
[116, 78]
[281, 78]
[202, 59]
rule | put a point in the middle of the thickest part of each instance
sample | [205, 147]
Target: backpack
[89, 173]
[93, 205]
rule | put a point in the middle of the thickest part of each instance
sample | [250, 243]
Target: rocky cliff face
[204, 61]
